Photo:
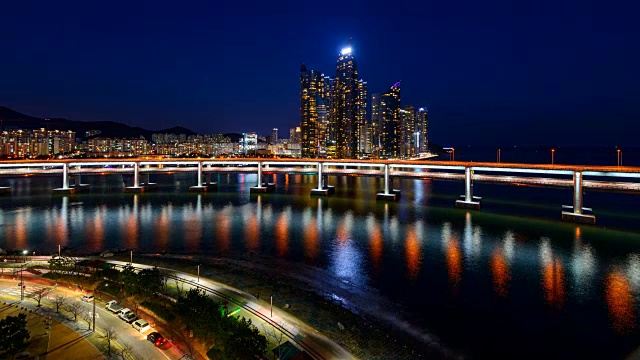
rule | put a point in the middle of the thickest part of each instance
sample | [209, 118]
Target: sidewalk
[66, 340]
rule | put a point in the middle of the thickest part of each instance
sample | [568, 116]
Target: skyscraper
[346, 112]
[422, 130]
[274, 136]
[362, 128]
[408, 131]
[376, 123]
[311, 87]
[391, 129]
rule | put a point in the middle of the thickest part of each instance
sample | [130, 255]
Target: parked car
[87, 298]
[141, 325]
[157, 339]
[124, 312]
[113, 306]
[129, 317]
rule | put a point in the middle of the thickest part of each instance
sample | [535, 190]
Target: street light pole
[58, 250]
[131, 258]
[271, 305]
[619, 157]
[553, 152]
[498, 155]
[198, 272]
[21, 283]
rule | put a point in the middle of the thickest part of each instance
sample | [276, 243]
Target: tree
[150, 282]
[87, 315]
[110, 334]
[240, 340]
[277, 336]
[59, 301]
[135, 302]
[200, 313]
[39, 294]
[14, 334]
[129, 279]
[74, 308]
[61, 263]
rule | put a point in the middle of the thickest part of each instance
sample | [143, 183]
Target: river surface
[510, 281]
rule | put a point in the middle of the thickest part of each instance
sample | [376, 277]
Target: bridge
[575, 177]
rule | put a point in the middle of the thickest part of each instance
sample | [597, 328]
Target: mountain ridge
[12, 119]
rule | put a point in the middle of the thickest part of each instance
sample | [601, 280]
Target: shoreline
[360, 333]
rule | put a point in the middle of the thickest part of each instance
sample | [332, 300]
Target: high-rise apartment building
[391, 129]
[362, 128]
[346, 111]
[274, 136]
[422, 130]
[408, 115]
[376, 123]
[311, 95]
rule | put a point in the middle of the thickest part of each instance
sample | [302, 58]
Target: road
[141, 348]
[296, 331]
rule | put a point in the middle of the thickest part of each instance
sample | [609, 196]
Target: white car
[87, 298]
[123, 313]
[141, 325]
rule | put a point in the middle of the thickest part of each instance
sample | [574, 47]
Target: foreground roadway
[140, 347]
[297, 332]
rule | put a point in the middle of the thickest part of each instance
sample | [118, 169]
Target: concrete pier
[65, 189]
[386, 194]
[468, 201]
[578, 212]
[323, 189]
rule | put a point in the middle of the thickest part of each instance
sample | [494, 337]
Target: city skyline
[509, 82]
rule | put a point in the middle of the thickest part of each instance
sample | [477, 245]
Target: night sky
[491, 72]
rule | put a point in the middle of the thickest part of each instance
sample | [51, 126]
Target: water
[510, 281]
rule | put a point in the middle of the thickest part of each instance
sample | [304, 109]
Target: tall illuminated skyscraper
[391, 129]
[376, 123]
[346, 111]
[311, 90]
[362, 130]
[408, 131]
[422, 130]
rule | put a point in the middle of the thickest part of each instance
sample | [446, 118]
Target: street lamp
[58, 250]
[198, 272]
[553, 152]
[131, 258]
[619, 157]
[94, 305]
[271, 305]
[453, 154]
[498, 156]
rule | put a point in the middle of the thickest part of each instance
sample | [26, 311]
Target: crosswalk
[28, 291]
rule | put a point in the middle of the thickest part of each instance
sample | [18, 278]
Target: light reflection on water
[428, 260]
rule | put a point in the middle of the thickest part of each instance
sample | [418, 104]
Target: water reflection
[192, 224]
[413, 252]
[310, 235]
[453, 256]
[282, 232]
[375, 241]
[620, 301]
[552, 276]
[500, 272]
[223, 228]
[94, 229]
[162, 228]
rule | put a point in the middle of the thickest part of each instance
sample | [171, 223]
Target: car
[123, 313]
[141, 325]
[157, 339]
[129, 317]
[87, 298]
[113, 306]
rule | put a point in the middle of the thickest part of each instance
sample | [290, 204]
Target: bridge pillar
[470, 201]
[199, 187]
[260, 186]
[65, 189]
[211, 186]
[577, 215]
[386, 194]
[136, 188]
[323, 189]
[77, 182]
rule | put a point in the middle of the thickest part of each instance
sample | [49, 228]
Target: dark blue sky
[491, 72]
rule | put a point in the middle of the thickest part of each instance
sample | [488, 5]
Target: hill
[12, 119]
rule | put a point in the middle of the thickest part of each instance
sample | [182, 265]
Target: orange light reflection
[454, 262]
[413, 253]
[553, 280]
[500, 271]
[620, 302]
[282, 234]
[375, 245]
